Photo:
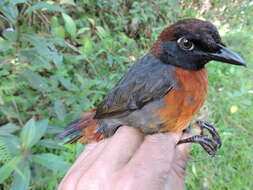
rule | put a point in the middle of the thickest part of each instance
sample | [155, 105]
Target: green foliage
[70, 25]
[19, 154]
[59, 58]
[5, 155]
[32, 133]
[5, 171]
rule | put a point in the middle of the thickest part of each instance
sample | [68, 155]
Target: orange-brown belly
[183, 102]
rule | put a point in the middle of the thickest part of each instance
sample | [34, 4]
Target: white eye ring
[185, 44]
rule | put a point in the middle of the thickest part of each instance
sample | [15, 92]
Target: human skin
[130, 160]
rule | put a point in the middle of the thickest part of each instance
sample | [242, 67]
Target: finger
[183, 149]
[120, 148]
[181, 156]
[89, 155]
[83, 162]
[93, 161]
[152, 162]
[175, 179]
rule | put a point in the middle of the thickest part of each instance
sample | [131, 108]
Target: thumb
[181, 156]
[182, 150]
[177, 174]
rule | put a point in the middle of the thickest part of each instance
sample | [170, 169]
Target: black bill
[227, 56]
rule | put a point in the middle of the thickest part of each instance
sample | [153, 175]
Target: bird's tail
[82, 130]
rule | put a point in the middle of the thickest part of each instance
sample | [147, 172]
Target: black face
[193, 44]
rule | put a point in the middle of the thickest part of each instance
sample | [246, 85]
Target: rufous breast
[185, 100]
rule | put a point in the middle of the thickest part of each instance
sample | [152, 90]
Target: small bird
[163, 90]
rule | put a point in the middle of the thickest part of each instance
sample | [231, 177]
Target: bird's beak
[227, 56]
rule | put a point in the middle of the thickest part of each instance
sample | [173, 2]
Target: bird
[163, 90]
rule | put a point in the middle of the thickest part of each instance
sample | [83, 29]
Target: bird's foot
[209, 144]
[210, 128]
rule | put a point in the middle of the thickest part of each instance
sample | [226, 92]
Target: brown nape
[167, 34]
[157, 49]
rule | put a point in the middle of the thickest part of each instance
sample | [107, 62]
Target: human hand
[129, 160]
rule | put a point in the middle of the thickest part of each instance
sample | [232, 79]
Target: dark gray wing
[147, 80]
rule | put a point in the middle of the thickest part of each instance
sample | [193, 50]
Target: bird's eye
[185, 44]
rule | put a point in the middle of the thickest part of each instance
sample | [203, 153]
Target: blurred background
[59, 58]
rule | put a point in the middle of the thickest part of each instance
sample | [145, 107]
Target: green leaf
[87, 45]
[9, 10]
[53, 130]
[35, 80]
[70, 25]
[18, 1]
[57, 58]
[5, 45]
[36, 57]
[67, 84]
[11, 145]
[70, 2]
[8, 128]
[28, 133]
[51, 161]
[7, 168]
[59, 109]
[43, 52]
[32, 132]
[10, 35]
[102, 33]
[58, 32]
[4, 152]
[83, 30]
[49, 143]
[21, 179]
[54, 22]
[41, 128]
[44, 6]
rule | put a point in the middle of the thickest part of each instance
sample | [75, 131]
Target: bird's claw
[210, 128]
[209, 144]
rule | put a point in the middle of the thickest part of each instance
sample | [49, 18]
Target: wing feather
[147, 80]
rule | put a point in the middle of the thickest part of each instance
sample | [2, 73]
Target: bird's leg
[211, 130]
[206, 142]
[209, 144]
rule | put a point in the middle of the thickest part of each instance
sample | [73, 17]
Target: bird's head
[191, 43]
